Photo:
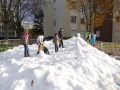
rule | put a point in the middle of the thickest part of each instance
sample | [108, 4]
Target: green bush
[66, 37]
[49, 37]
[5, 48]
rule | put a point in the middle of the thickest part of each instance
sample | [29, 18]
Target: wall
[48, 19]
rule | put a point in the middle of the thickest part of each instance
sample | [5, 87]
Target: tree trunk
[19, 29]
[6, 31]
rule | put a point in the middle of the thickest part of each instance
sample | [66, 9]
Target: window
[74, 5]
[54, 11]
[118, 19]
[73, 19]
[11, 34]
[54, 22]
[54, 1]
[82, 33]
[117, 33]
[97, 33]
[0, 34]
[81, 9]
[73, 33]
[82, 21]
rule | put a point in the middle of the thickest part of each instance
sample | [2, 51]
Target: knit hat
[55, 34]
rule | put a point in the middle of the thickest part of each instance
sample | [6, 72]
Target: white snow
[78, 66]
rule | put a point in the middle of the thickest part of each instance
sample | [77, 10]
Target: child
[46, 50]
[25, 36]
[93, 40]
[56, 41]
[40, 39]
[42, 47]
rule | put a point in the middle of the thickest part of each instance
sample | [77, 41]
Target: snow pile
[78, 66]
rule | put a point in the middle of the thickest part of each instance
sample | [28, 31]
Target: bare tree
[7, 12]
[37, 12]
[16, 11]
[22, 11]
[27, 8]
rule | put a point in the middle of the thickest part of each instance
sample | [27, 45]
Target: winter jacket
[25, 38]
[92, 40]
[56, 40]
[40, 39]
[60, 35]
[40, 47]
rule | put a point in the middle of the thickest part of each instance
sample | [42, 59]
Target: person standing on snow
[56, 41]
[60, 35]
[93, 40]
[25, 37]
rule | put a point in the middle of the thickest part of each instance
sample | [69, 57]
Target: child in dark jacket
[46, 50]
[42, 47]
[60, 35]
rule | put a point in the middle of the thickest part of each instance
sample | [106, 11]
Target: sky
[29, 19]
[78, 66]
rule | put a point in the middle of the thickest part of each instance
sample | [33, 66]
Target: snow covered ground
[78, 66]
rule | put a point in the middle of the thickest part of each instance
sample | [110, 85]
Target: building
[116, 28]
[56, 16]
[104, 32]
[11, 31]
[27, 25]
[110, 30]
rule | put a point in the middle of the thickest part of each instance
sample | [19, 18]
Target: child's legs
[38, 49]
[56, 48]
[25, 49]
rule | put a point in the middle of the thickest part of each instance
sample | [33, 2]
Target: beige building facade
[56, 16]
[116, 28]
[116, 32]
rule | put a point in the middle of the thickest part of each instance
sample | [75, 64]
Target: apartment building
[116, 28]
[110, 30]
[11, 31]
[104, 32]
[56, 16]
[27, 25]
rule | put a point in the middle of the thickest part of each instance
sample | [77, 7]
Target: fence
[111, 48]
[10, 43]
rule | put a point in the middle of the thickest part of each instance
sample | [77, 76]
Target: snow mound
[78, 66]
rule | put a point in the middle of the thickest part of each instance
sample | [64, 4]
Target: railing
[10, 43]
[2, 45]
[111, 48]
